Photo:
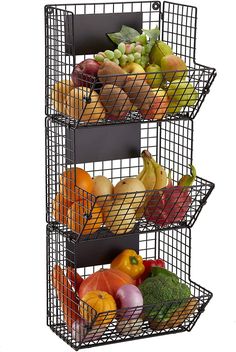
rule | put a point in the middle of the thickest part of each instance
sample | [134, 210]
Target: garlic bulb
[80, 331]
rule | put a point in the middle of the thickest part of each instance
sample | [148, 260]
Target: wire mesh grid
[158, 221]
[83, 216]
[123, 98]
[92, 328]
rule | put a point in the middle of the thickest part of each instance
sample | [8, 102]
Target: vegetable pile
[111, 296]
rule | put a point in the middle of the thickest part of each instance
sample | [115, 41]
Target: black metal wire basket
[124, 98]
[118, 214]
[123, 324]
[104, 127]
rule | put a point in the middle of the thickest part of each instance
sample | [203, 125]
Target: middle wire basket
[120, 213]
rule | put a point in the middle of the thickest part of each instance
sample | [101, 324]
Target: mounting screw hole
[156, 5]
[206, 90]
[50, 11]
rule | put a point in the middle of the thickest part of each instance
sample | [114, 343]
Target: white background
[22, 256]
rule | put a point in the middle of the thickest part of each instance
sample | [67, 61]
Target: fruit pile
[85, 204]
[118, 295]
[142, 74]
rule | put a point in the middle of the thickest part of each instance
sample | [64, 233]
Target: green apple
[159, 50]
[182, 92]
[154, 77]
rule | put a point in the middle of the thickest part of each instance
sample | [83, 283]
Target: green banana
[187, 180]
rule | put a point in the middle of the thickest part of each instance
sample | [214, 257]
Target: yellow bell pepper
[130, 263]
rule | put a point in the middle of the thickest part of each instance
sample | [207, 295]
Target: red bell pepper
[148, 264]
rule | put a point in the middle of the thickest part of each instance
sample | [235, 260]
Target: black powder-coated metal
[177, 24]
[170, 144]
[100, 143]
[100, 251]
[85, 240]
[165, 244]
[90, 31]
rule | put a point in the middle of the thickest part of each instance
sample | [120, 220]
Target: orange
[60, 208]
[73, 183]
[82, 220]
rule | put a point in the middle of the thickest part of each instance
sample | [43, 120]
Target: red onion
[130, 298]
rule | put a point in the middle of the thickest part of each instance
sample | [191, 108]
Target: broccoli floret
[163, 287]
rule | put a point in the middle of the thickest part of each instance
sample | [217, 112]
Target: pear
[154, 77]
[102, 188]
[173, 63]
[131, 191]
[159, 50]
[183, 93]
[173, 107]
[119, 217]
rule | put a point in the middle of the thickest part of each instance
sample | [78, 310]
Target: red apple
[86, 67]
[150, 113]
[159, 106]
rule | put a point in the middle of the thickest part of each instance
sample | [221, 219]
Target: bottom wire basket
[66, 310]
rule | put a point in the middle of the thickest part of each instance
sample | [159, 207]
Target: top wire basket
[114, 96]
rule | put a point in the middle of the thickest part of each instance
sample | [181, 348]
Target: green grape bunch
[131, 47]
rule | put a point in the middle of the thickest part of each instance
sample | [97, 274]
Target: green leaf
[116, 37]
[126, 35]
[153, 34]
[129, 33]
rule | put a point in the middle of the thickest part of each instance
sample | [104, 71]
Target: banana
[148, 175]
[141, 174]
[153, 175]
[161, 176]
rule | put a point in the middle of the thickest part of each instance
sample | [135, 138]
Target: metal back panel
[90, 31]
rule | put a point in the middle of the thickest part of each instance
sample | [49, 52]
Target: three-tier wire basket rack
[83, 137]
